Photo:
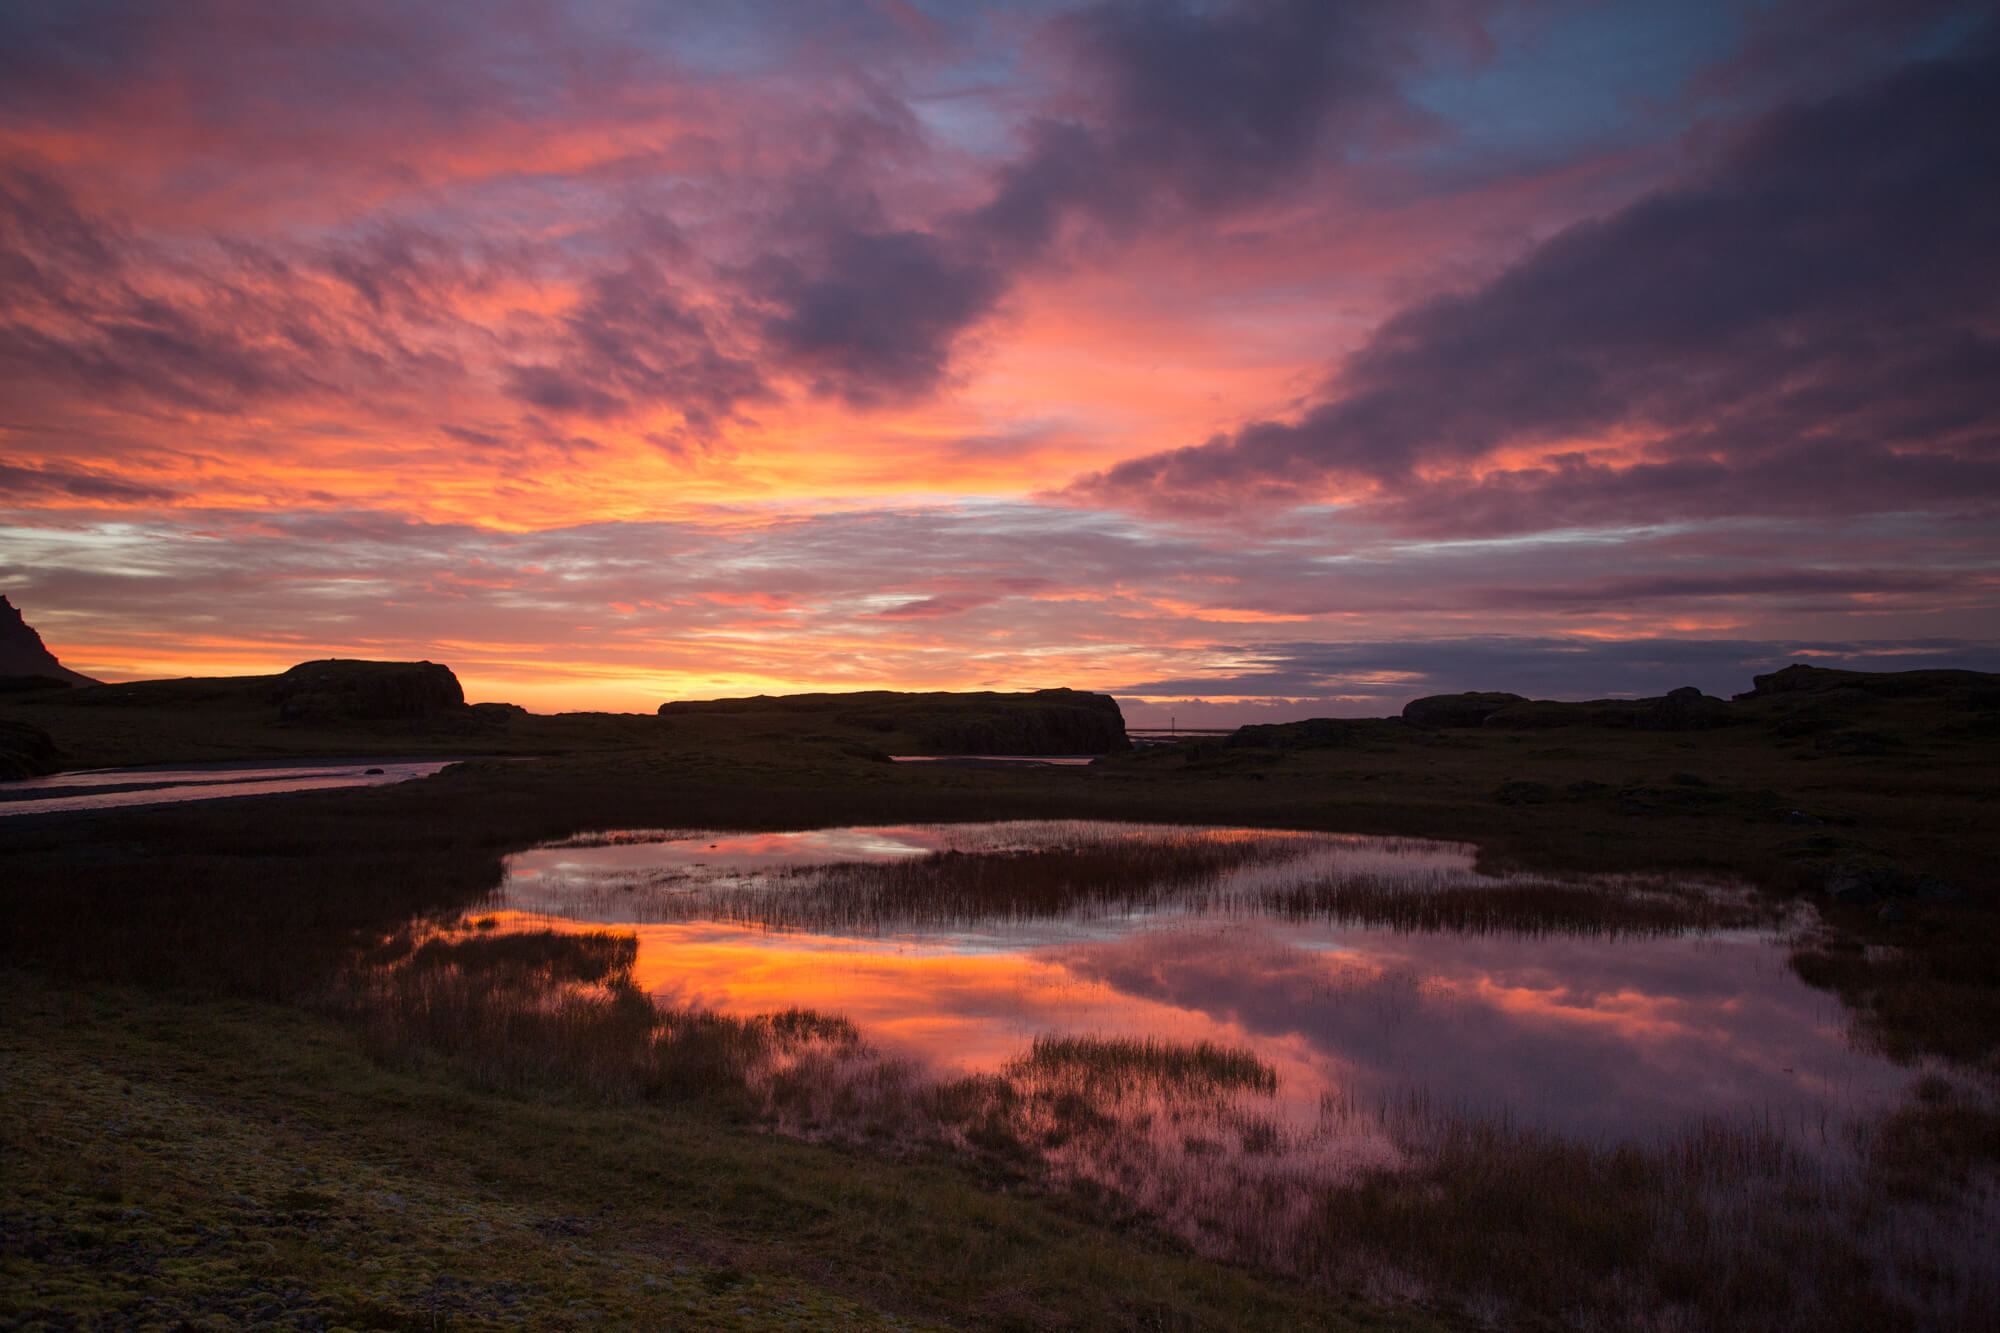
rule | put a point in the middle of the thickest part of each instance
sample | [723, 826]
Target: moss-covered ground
[172, 1162]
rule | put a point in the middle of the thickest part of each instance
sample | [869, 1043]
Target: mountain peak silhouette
[22, 652]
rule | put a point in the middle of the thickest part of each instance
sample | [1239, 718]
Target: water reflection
[108, 788]
[1604, 1036]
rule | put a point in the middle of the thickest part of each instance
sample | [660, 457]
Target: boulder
[1684, 709]
[1457, 710]
[26, 751]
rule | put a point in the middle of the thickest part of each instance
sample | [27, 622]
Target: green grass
[218, 1161]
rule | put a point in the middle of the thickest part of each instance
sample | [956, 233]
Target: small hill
[1799, 678]
[1799, 701]
[1039, 722]
[1684, 709]
[332, 707]
[24, 657]
[337, 691]
[333, 691]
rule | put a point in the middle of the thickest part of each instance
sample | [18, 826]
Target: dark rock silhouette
[1799, 701]
[1315, 733]
[24, 655]
[1457, 710]
[1040, 722]
[26, 751]
[1976, 687]
[1684, 709]
[339, 691]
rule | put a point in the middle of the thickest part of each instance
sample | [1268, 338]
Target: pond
[956, 947]
[1360, 1062]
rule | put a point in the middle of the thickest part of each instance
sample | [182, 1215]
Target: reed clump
[1116, 1064]
[953, 887]
[551, 1009]
[1479, 906]
[1725, 1225]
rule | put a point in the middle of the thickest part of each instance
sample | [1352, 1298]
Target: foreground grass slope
[224, 1162]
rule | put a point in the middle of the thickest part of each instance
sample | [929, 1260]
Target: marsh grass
[1607, 906]
[1044, 870]
[1722, 1225]
[1116, 1063]
[549, 1009]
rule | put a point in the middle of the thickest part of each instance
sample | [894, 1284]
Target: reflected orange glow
[1601, 1035]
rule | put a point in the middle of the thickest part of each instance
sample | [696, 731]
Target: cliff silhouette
[25, 658]
[1042, 722]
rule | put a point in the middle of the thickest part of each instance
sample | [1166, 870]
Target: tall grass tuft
[1119, 1063]
[549, 1009]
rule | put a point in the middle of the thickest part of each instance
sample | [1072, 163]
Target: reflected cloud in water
[1604, 1036]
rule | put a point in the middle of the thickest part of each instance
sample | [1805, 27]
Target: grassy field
[224, 1162]
[173, 1052]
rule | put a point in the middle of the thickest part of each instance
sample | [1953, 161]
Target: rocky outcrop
[1313, 733]
[23, 654]
[1684, 709]
[1042, 722]
[1798, 678]
[1457, 710]
[25, 751]
[341, 691]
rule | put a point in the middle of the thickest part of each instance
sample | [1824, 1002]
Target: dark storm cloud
[1377, 678]
[876, 319]
[1186, 111]
[264, 70]
[1801, 479]
[1826, 295]
[1218, 106]
[633, 338]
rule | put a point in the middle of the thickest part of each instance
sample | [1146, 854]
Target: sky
[1249, 361]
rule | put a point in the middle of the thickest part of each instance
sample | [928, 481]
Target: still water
[108, 788]
[955, 947]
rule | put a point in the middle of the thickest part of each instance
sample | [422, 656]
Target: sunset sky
[1248, 361]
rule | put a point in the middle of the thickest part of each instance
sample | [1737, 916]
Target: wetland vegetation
[321, 1023]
